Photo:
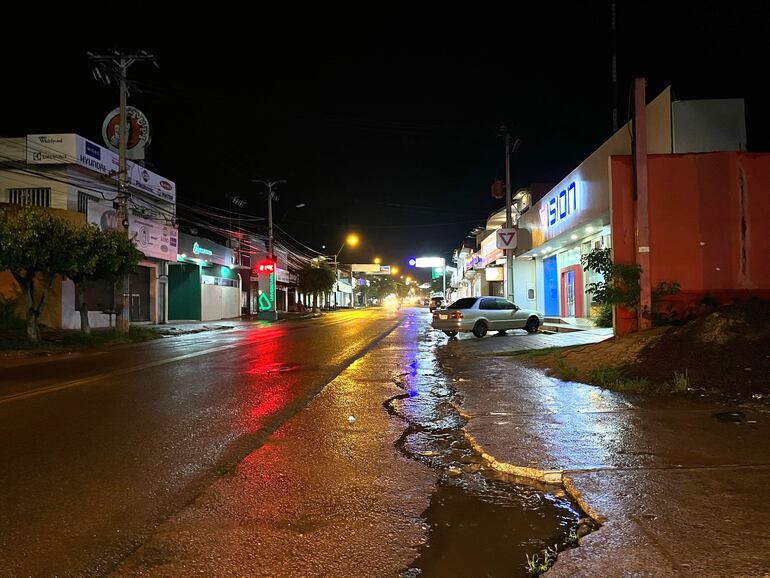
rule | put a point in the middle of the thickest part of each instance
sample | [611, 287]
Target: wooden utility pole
[641, 202]
[110, 66]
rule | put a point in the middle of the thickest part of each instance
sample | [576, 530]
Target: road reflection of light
[269, 386]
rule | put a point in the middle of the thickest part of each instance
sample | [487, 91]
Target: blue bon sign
[562, 205]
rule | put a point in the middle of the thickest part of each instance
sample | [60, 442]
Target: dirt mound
[727, 350]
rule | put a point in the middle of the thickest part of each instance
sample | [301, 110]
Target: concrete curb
[551, 477]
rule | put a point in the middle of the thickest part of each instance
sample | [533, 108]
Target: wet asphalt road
[97, 450]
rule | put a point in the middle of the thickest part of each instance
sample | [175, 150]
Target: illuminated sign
[267, 298]
[430, 262]
[198, 250]
[266, 266]
[560, 206]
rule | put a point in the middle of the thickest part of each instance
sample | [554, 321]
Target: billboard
[46, 149]
[153, 239]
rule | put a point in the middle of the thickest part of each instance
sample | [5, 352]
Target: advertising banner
[153, 239]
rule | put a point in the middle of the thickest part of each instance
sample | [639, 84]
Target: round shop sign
[138, 131]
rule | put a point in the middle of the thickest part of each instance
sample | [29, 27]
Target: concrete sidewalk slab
[678, 490]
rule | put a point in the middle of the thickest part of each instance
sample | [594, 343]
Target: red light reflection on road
[269, 389]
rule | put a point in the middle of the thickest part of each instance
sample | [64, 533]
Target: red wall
[709, 225]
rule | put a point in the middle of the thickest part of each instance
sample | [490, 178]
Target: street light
[377, 261]
[352, 240]
[394, 270]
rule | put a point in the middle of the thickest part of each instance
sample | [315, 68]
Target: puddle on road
[480, 522]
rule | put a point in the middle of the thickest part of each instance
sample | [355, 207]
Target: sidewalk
[677, 484]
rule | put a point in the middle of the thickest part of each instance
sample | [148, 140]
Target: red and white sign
[266, 267]
[506, 238]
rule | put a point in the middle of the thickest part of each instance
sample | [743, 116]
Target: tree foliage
[620, 286]
[36, 246]
[98, 255]
[314, 279]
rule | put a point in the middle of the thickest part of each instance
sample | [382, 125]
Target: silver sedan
[482, 314]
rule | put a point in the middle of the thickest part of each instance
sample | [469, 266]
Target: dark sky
[384, 120]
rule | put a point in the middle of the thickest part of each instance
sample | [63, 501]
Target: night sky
[383, 121]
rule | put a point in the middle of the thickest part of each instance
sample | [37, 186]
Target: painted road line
[116, 373]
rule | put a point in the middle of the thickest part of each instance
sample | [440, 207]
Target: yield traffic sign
[506, 238]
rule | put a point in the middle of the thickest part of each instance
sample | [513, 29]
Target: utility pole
[269, 314]
[508, 209]
[270, 196]
[613, 24]
[111, 65]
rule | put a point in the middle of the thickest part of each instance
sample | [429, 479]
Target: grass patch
[538, 564]
[525, 354]
[681, 381]
[66, 340]
[565, 372]
[613, 377]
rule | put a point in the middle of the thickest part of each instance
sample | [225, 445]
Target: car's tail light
[456, 315]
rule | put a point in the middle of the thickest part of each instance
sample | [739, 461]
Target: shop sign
[198, 250]
[494, 273]
[153, 239]
[560, 206]
[74, 149]
[138, 132]
[266, 267]
[205, 250]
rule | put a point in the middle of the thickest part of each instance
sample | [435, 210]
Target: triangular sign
[506, 238]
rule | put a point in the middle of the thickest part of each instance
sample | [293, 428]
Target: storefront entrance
[139, 294]
[551, 286]
[572, 291]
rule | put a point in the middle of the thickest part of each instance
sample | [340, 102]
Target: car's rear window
[464, 303]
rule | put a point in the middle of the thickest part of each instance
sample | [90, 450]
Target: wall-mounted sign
[198, 250]
[74, 149]
[559, 206]
[153, 239]
[494, 273]
[204, 250]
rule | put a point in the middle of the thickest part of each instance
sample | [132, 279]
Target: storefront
[574, 217]
[203, 285]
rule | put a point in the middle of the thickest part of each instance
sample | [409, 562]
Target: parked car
[435, 303]
[482, 314]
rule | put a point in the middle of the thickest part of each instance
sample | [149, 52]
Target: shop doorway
[550, 286]
[572, 291]
[139, 294]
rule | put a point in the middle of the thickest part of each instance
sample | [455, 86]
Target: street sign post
[506, 239]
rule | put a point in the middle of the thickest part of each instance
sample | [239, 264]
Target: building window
[37, 197]
[83, 199]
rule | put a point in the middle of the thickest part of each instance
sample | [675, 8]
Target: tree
[315, 279]
[85, 250]
[620, 285]
[99, 255]
[35, 246]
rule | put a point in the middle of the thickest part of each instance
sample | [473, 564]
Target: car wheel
[451, 333]
[480, 329]
[533, 323]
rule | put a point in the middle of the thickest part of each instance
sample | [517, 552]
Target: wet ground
[481, 523]
[308, 449]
